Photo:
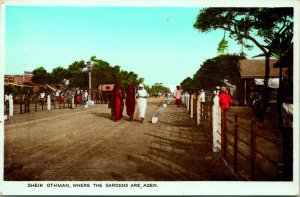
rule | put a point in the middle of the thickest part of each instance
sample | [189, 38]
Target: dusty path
[84, 144]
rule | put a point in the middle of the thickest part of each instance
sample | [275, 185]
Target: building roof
[255, 68]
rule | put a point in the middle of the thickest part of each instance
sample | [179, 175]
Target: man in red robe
[130, 100]
[116, 102]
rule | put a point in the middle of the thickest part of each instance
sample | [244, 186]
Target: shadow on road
[102, 115]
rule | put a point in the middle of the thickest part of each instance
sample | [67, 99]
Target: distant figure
[77, 97]
[178, 96]
[85, 97]
[130, 100]
[42, 99]
[116, 102]
[142, 96]
[202, 96]
[6, 103]
[61, 99]
[224, 99]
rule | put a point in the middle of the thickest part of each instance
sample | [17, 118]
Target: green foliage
[157, 88]
[58, 74]
[187, 84]
[246, 23]
[212, 71]
[40, 75]
[222, 45]
[102, 73]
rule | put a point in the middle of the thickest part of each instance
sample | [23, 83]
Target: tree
[187, 84]
[212, 71]
[40, 76]
[249, 24]
[76, 75]
[58, 74]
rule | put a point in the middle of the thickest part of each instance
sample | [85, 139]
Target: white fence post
[216, 125]
[198, 110]
[188, 102]
[192, 106]
[11, 105]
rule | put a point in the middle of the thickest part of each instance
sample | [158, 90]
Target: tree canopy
[77, 73]
[40, 75]
[273, 25]
[212, 71]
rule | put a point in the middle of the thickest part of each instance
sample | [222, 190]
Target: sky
[158, 43]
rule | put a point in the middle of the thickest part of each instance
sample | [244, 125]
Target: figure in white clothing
[6, 103]
[142, 96]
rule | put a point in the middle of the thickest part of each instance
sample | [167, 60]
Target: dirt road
[84, 144]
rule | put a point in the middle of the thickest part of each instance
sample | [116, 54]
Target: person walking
[6, 103]
[27, 101]
[61, 99]
[42, 99]
[142, 96]
[116, 102]
[85, 96]
[224, 100]
[178, 96]
[130, 101]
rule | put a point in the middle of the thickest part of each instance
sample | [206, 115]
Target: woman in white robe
[142, 96]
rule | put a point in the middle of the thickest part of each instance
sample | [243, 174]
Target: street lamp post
[89, 67]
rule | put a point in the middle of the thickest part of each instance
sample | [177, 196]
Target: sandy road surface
[84, 144]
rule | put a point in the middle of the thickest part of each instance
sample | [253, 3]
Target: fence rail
[238, 141]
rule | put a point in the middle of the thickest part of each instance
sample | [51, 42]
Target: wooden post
[223, 150]
[188, 102]
[35, 103]
[21, 110]
[253, 144]
[198, 110]
[225, 132]
[211, 120]
[236, 126]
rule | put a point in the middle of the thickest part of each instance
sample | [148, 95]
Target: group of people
[222, 93]
[131, 96]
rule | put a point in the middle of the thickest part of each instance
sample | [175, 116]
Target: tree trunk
[266, 89]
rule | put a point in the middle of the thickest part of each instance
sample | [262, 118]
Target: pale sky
[158, 43]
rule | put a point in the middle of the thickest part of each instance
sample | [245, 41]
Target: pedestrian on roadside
[85, 97]
[6, 103]
[142, 96]
[27, 101]
[224, 100]
[61, 99]
[42, 98]
[178, 96]
[116, 103]
[122, 105]
[130, 100]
